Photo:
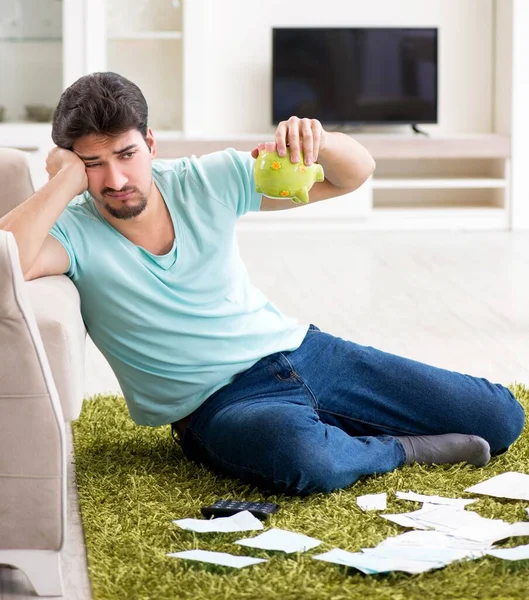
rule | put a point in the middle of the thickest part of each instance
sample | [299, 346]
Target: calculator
[226, 508]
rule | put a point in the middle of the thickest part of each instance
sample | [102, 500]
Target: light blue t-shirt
[176, 328]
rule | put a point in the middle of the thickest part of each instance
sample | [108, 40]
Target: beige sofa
[42, 340]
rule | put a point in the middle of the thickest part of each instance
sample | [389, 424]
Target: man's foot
[448, 448]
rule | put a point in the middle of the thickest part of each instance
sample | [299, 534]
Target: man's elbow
[363, 174]
[369, 169]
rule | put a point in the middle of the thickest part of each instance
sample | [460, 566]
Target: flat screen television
[355, 76]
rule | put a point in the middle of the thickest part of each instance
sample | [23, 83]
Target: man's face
[119, 171]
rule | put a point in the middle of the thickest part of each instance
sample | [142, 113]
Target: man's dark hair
[100, 103]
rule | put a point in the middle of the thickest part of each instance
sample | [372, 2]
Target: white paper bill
[217, 558]
[435, 499]
[417, 518]
[375, 564]
[517, 553]
[373, 501]
[279, 539]
[243, 521]
[342, 557]
[422, 553]
[407, 519]
[460, 524]
[433, 539]
[451, 518]
[507, 485]
[520, 529]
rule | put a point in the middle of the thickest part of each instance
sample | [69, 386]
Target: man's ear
[151, 143]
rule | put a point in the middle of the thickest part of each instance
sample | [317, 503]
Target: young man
[151, 247]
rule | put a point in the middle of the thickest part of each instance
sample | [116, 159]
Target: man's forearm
[346, 163]
[31, 221]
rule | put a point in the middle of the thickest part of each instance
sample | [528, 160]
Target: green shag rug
[133, 481]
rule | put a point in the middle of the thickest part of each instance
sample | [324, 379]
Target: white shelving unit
[450, 182]
[146, 35]
[31, 48]
[385, 183]
[459, 182]
[45, 45]
[143, 42]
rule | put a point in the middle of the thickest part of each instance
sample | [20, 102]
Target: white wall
[235, 73]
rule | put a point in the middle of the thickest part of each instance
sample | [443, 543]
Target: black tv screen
[353, 76]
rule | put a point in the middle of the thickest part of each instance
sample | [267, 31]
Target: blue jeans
[318, 418]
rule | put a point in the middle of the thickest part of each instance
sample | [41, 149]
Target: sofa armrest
[57, 307]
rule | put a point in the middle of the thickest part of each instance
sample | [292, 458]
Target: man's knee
[318, 475]
[295, 460]
[310, 468]
[507, 420]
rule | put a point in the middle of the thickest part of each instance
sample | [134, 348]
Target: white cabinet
[45, 45]
[42, 50]
[31, 65]
[444, 184]
[450, 182]
[33, 71]
[144, 43]
[165, 47]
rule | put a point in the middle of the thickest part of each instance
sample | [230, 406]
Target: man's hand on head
[60, 159]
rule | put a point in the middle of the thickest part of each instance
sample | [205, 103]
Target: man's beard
[125, 212]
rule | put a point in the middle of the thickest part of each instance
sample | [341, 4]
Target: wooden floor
[456, 300]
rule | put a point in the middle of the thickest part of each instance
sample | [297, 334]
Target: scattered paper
[443, 518]
[448, 518]
[443, 556]
[407, 519]
[413, 552]
[443, 532]
[342, 557]
[243, 521]
[507, 485]
[375, 564]
[517, 553]
[279, 539]
[454, 522]
[372, 501]
[433, 539]
[217, 558]
[518, 529]
[495, 532]
[435, 499]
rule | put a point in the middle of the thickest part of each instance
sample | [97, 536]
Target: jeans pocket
[281, 368]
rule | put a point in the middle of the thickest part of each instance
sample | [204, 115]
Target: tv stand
[436, 182]
[417, 130]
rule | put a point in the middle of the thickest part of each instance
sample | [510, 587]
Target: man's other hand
[59, 159]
